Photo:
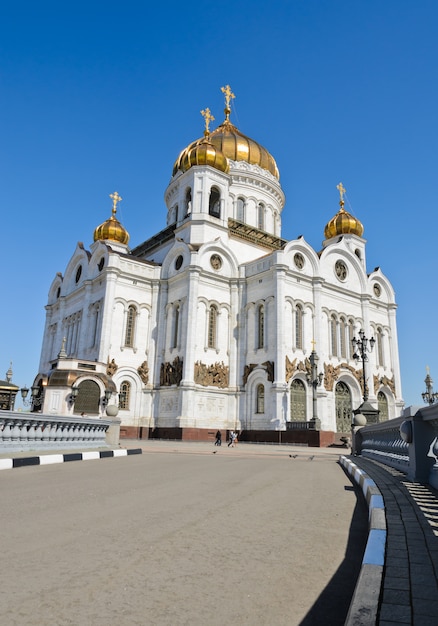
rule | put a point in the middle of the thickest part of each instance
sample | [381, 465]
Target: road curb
[365, 601]
[50, 459]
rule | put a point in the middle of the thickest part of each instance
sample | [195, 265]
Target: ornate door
[344, 409]
[297, 401]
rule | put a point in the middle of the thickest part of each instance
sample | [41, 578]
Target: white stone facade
[220, 316]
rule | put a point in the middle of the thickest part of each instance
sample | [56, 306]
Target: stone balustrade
[35, 431]
[408, 443]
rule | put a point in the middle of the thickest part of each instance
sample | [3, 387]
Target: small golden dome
[229, 143]
[112, 229]
[201, 152]
[343, 223]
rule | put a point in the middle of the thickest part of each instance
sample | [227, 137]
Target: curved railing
[383, 442]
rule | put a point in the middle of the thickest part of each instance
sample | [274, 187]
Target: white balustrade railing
[35, 431]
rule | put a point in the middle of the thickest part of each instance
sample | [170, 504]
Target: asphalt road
[179, 535]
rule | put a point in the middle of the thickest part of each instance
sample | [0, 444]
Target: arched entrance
[88, 398]
[297, 401]
[344, 409]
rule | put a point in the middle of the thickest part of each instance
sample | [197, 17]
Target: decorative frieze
[214, 375]
[171, 373]
[332, 373]
[383, 380]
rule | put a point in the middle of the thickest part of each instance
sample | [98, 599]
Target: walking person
[218, 441]
[232, 438]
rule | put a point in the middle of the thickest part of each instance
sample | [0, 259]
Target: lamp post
[314, 380]
[360, 347]
[429, 396]
[36, 396]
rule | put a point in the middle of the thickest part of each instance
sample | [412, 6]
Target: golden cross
[208, 117]
[313, 342]
[228, 95]
[341, 190]
[115, 198]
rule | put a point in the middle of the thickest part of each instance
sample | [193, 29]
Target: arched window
[343, 408]
[214, 205]
[382, 405]
[333, 333]
[299, 326]
[212, 327]
[124, 395]
[343, 337]
[298, 411]
[175, 329]
[260, 326]
[379, 341]
[240, 210]
[261, 216]
[260, 400]
[188, 202]
[130, 326]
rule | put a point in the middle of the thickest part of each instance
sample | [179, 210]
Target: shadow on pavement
[331, 607]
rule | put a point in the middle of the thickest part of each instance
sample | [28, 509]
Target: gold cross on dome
[341, 190]
[208, 117]
[228, 95]
[115, 198]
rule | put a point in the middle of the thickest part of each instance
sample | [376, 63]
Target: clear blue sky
[102, 96]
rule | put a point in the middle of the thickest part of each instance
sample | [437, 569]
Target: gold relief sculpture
[247, 371]
[143, 372]
[215, 375]
[332, 373]
[383, 380]
[171, 373]
[269, 365]
[291, 368]
[111, 367]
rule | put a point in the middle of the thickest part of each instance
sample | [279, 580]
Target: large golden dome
[112, 230]
[229, 143]
[343, 223]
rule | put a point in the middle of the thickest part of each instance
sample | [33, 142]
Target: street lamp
[360, 347]
[36, 395]
[429, 396]
[314, 380]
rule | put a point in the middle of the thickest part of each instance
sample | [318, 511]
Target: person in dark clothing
[218, 441]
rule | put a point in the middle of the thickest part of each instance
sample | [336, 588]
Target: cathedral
[216, 322]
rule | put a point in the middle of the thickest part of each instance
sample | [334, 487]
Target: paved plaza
[178, 535]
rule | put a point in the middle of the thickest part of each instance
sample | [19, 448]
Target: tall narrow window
[350, 338]
[261, 216]
[130, 326]
[379, 340]
[174, 342]
[212, 326]
[124, 395]
[214, 205]
[188, 202]
[240, 210]
[334, 338]
[260, 400]
[343, 337]
[299, 326]
[260, 326]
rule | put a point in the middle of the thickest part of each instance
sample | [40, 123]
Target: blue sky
[102, 96]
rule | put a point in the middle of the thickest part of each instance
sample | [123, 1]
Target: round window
[178, 262]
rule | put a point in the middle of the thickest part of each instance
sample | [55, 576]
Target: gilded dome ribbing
[343, 223]
[201, 152]
[112, 230]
